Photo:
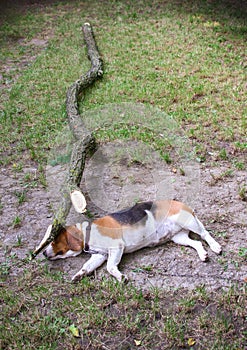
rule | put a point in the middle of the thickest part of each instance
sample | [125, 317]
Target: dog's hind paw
[203, 255]
[216, 248]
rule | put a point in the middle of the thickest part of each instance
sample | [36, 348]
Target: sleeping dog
[146, 224]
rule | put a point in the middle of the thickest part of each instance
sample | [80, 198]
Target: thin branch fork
[85, 141]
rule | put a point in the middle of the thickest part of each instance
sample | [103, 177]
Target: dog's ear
[74, 239]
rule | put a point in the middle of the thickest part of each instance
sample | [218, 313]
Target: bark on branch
[85, 142]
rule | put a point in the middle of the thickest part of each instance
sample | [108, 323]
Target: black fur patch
[132, 215]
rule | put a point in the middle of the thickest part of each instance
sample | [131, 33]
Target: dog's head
[68, 243]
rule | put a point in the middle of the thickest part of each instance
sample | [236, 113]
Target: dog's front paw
[124, 279]
[78, 276]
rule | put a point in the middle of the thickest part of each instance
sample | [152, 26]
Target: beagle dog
[146, 224]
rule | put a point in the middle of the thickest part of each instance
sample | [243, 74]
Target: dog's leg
[95, 261]
[205, 235]
[192, 223]
[183, 239]
[114, 258]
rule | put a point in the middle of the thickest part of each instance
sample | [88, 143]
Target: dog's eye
[59, 253]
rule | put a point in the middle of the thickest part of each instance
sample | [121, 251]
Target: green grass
[108, 314]
[185, 59]
[189, 61]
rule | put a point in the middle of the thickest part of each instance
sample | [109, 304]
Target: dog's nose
[45, 254]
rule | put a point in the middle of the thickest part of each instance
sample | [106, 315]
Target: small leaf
[137, 342]
[191, 342]
[74, 330]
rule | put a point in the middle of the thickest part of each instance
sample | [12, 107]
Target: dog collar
[87, 237]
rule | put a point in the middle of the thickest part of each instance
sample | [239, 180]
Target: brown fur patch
[70, 238]
[60, 245]
[74, 238]
[109, 227]
[168, 208]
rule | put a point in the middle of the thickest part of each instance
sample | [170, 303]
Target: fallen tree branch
[85, 142]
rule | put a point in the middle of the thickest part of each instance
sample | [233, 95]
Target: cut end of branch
[79, 202]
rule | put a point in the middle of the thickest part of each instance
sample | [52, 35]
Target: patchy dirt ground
[24, 221]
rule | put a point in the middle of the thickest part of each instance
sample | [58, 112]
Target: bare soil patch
[170, 266]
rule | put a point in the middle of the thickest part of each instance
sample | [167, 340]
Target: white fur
[68, 254]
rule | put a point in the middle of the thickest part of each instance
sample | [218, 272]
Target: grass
[107, 314]
[189, 61]
[183, 59]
